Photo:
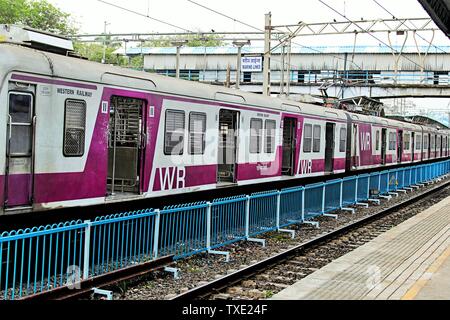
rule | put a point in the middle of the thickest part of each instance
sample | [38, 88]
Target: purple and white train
[78, 133]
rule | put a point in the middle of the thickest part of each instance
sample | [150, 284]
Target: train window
[418, 142]
[307, 138]
[255, 135]
[425, 141]
[270, 136]
[197, 132]
[174, 133]
[316, 138]
[20, 107]
[74, 128]
[406, 141]
[20, 125]
[377, 140]
[432, 142]
[392, 141]
[343, 140]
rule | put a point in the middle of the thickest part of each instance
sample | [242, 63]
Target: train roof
[23, 59]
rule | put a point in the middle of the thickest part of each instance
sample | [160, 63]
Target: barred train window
[407, 141]
[255, 135]
[197, 132]
[316, 138]
[270, 136]
[343, 140]
[174, 133]
[307, 138]
[392, 141]
[74, 128]
[418, 142]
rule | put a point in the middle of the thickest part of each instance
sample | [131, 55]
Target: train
[76, 133]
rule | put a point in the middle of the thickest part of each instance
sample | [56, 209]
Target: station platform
[410, 261]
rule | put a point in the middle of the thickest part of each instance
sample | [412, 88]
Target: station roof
[422, 120]
[439, 11]
[257, 50]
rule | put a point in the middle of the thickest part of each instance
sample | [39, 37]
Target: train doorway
[19, 170]
[355, 147]
[126, 144]
[289, 143]
[413, 146]
[228, 135]
[400, 146]
[383, 145]
[329, 147]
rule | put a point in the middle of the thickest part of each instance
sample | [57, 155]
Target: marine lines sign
[252, 64]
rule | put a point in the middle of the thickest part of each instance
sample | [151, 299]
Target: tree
[38, 14]
[94, 52]
[194, 40]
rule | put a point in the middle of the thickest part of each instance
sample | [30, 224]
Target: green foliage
[38, 14]
[137, 62]
[94, 52]
[194, 40]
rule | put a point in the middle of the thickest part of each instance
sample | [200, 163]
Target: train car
[79, 133]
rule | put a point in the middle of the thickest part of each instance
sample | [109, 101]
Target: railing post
[379, 182]
[303, 204]
[208, 226]
[323, 198]
[247, 217]
[356, 188]
[278, 209]
[156, 233]
[341, 195]
[368, 187]
[87, 248]
[387, 182]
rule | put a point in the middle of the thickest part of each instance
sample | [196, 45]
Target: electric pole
[267, 45]
[178, 44]
[104, 43]
[239, 45]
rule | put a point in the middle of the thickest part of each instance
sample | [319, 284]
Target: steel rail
[85, 287]
[220, 284]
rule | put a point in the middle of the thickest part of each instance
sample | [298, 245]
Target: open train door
[400, 146]
[227, 155]
[355, 145]
[289, 143]
[383, 145]
[329, 147]
[19, 168]
[126, 145]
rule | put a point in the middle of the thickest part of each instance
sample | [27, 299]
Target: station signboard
[252, 64]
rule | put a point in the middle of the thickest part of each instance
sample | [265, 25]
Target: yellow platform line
[434, 267]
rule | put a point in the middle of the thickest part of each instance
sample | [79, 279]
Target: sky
[90, 16]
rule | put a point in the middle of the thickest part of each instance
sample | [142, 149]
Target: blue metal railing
[39, 259]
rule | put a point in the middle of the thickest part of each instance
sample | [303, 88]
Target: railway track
[265, 278]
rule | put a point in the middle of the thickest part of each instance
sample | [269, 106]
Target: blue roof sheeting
[295, 50]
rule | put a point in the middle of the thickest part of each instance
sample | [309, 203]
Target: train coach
[79, 133]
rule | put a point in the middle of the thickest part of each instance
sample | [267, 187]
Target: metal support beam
[267, 54]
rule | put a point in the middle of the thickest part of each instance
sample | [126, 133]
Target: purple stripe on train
[53, 81]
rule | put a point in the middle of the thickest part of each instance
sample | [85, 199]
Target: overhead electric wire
[259, 29]
[394, 17]
[369, 33]
[224, 15]
[144, 15]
